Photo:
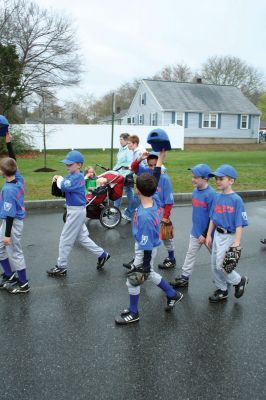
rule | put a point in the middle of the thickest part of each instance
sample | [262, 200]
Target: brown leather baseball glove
[166, 230]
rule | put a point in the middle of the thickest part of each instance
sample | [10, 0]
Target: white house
[208, 113]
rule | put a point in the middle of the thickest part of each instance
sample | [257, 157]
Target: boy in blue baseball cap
[73, 185]
[228, 217]
[202, 199]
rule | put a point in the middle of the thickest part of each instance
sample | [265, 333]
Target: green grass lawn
[249, 161]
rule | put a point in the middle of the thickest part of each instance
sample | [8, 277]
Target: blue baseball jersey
[73, 185]
[146, 226]
[202, 201]
[12, 199]
[228, 211]
[164, 188]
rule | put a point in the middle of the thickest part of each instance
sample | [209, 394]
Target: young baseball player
[165, 194]
[12, 213]
[146, 230]
[73, 185]
[202, 199]
[228, 217]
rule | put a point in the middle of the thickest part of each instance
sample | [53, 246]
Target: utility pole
[44, 130]
[113, 122]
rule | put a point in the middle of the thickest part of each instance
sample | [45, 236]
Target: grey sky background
[121, 40]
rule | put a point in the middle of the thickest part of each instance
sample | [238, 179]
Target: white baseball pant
[221, 243]
[153, 276]
[75, 229]
[14, 251]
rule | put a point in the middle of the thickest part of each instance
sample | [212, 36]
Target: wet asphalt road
[60, 340]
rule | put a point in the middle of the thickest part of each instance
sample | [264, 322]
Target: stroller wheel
[110, 217]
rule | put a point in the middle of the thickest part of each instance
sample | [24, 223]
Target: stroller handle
[108, 169]
[101, 166]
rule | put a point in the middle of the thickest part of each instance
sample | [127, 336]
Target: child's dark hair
[8, 166]
[152, 157]
[146, 184]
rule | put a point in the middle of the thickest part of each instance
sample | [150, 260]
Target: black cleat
[179, 282]
[8, 280]
[240, 288]
[126, 317]
[18, 288]
[171, 301]
[56, 271]
[218, 295]
[167, 264]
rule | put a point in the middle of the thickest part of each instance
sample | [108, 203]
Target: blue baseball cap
[159, 140]
[225, 170]
[201, 170]
[72, 157]
[3, 125]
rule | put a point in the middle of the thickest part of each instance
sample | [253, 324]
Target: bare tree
[179, 72]
[46, 45]
[123, 98]
[81, 110]
[229, 70]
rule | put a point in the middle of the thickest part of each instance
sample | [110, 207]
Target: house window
[141, 119]
[179, 118]
[129, 120]
[154, 119]
[142, 99]
[244, 121]
[210, 121]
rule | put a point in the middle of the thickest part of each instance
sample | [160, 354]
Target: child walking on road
[146, 230]
[12, 213]
[202, 198]
[73, 185]
[228, 217]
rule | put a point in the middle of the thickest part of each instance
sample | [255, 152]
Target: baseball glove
[166, 230]
[138, 275]
[231, 259]
[55, 191]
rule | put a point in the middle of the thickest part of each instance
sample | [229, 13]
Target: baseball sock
[22, 276]
[170, 292]
[104, 254]
[6, 267]
[133, 303]
[171, 255]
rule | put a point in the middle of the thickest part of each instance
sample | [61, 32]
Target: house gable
[143, 106]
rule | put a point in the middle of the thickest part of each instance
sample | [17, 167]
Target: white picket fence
[94, 136]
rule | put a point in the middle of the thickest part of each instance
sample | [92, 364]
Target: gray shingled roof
[200, 97]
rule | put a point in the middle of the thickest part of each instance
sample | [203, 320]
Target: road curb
[178, 197]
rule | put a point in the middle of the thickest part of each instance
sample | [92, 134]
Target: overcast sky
[122, 40]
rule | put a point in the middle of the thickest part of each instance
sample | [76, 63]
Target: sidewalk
[180, 198]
